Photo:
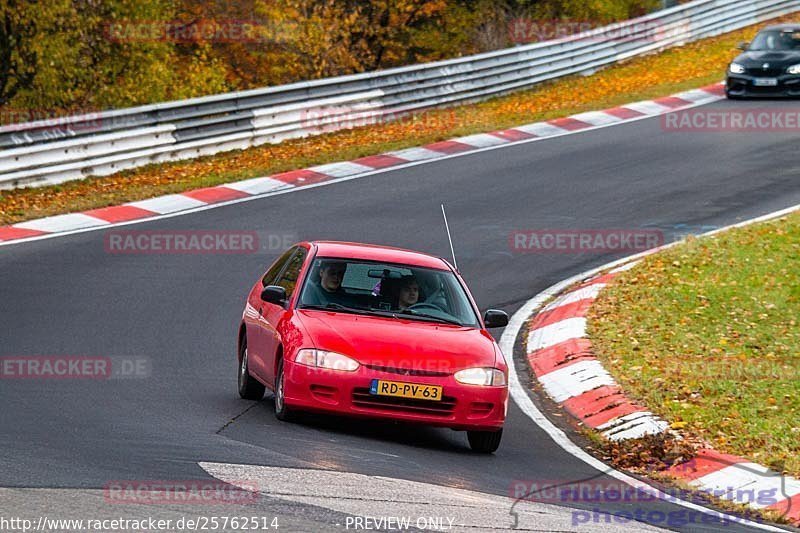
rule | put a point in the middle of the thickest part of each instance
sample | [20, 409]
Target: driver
[408, 292]
[331, 274]
[328, 289]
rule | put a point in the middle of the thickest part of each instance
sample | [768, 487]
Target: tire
[484, 441]
[282, 411]
[249, 388]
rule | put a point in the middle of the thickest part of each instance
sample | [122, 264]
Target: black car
[769, 66]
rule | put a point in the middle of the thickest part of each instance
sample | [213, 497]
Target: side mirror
[494, 318]
[274, 294]
[743, 45]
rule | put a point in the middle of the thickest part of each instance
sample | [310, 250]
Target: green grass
[706, 334]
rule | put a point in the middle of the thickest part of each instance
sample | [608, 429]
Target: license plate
[399, 389]
[765, 82]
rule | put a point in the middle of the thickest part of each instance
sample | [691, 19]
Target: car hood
[775, 58]
[399, 343]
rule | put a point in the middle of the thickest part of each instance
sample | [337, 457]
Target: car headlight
[794, 69]
[325, 359]
[736, 68]
[488, 377]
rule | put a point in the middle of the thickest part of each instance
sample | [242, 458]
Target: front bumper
[463, 407]
[743, 85]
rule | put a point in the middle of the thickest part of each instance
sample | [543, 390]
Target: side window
[277, 266]
[289, 277]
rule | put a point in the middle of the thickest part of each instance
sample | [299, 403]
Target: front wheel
[249, 388]
[282, 412]
[484, 441]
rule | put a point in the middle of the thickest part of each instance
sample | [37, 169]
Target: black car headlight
[794, 69]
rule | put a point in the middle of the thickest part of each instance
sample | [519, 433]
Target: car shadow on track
[322, 429]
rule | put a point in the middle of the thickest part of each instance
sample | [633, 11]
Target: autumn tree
[23, 28]
[333, 37]
[79, 55]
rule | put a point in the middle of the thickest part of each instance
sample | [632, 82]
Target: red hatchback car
[372, 331]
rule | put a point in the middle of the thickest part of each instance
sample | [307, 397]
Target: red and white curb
[561, 358]
[190, 201]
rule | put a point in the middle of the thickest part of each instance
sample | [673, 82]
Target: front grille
[362, 398]
[759, 72]
[408, 372]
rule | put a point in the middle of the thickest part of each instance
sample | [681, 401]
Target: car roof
[783, 27]
[375, 252]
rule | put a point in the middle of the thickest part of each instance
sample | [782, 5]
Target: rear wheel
[484, 441]
[282, 412]
[249, 388]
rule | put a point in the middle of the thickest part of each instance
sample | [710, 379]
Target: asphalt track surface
[68, 296]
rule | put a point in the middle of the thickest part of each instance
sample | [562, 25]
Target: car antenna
[449, 238]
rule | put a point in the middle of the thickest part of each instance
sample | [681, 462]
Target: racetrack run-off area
[179, 312]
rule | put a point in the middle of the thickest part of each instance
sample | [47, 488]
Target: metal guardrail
[49, 152]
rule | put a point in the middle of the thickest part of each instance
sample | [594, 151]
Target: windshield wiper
[409, 312]
[332, 306]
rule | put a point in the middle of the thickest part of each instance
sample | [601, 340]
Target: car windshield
[392, 290]
[776, 40]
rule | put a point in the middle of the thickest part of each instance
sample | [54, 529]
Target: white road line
[68, 222]
[341, 169]
[481, 140]
[258, 185]
[695, 95]
[542, 129]
[552, 334]
[584, 293]
[648, 108]
[575, 379]
[597, 118]
[416, 154]
[634, 426]
[751, 482]
[170, 203]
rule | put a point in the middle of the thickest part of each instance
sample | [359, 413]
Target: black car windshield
[776, 40]
[391, 290]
